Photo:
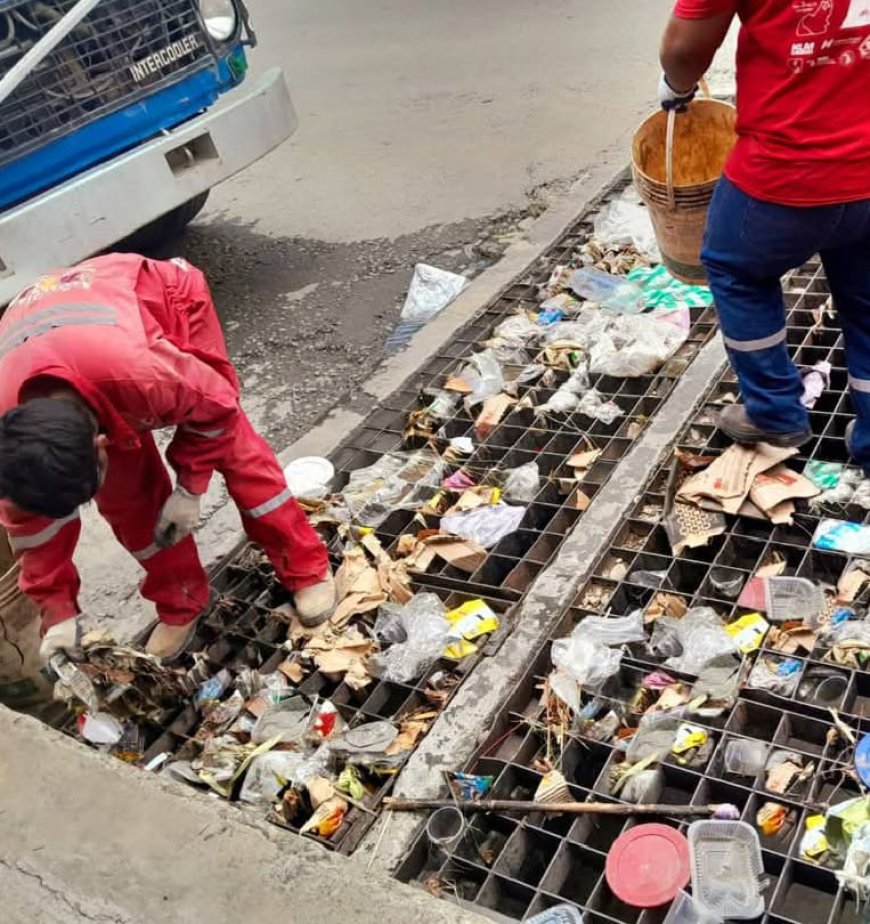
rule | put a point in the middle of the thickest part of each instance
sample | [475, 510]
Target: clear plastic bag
[484, 525]
[562, 402]
[484, 376]
[397, 481]
[430, 292]
[701, 637]
[581, 661]
[615, 630]
[613, 293]
[517, 329]
[268, 775]
[426, 635]
[626, 220]
[521, 484]
[745, 757]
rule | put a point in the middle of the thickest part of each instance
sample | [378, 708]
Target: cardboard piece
[772, 488]
[581, 500]
[727, 482]
[494, 408]
[583, 460]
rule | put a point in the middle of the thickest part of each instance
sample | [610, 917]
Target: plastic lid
[648, 865]
[862, 759]
[309, 476]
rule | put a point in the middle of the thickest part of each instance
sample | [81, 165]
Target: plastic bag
[268, 775]
[517, 329]
[701, 637]
[397, 481]
[615, 630]
[640, 344]
[484, 376]
[521, 484]
[744, 757]
[484, 525]
[430, 292]
[626, 220]
[578, 382]
[581, 661]
[426, 634]
[645, 786]
[562, 402]
[655, 736]
[613, 293]
[594, 406]
[289, 719]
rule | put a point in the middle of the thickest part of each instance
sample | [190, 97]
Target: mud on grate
[518, 866]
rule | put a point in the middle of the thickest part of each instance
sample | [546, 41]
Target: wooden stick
[569, 808]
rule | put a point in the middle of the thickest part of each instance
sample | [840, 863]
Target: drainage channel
[516, 866]
[245, 632]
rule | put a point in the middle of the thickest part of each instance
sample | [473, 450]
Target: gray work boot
[734, 422]
[315, 604]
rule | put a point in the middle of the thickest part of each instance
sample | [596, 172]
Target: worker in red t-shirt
[797, 183]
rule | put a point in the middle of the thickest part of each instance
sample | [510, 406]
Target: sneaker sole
[780, 440]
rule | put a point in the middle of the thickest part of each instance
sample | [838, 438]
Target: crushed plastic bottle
[614, 293]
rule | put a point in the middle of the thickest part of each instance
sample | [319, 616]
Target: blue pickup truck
[112, 122]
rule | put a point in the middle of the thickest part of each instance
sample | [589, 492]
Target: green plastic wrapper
[824, 475]
[661, 290]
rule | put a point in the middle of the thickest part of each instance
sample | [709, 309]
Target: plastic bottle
[615, 293]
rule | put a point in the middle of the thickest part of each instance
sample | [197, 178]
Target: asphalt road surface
[430, 130]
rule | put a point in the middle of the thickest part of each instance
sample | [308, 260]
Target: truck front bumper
[96, 209]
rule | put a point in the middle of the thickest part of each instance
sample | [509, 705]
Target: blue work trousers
[748, 246]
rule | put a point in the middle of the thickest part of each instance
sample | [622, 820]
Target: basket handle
[669, 146]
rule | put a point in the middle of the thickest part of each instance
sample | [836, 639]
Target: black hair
[48, 461]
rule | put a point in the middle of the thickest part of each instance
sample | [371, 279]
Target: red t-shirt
[803, 98]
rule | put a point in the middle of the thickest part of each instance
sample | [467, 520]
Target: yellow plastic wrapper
[688, 738]
[468, 622]
[814, 843]
[748, 632]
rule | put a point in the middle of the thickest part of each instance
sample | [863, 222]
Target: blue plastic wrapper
[470, 786]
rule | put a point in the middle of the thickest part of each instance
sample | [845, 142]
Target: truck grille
[123, 50]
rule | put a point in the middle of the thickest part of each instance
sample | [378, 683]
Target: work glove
[178, 517]
[671, 99]
[64, 637]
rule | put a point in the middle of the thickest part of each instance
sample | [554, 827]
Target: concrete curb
[458, 731]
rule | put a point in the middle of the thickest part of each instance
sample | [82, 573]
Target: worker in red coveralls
[797, 183]
[92, 359]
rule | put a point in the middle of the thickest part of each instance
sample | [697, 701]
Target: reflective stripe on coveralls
[268, 506]
[59, 316]
[750, 346]
[862, 385]
[33, 541]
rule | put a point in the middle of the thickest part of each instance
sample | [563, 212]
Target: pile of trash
[254, 735]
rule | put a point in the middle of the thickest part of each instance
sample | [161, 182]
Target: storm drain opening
[759, 704]
[442, 512]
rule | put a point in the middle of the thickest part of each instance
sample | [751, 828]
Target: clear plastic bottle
[614, 293]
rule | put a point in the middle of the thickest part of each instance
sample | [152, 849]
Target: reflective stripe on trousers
[33, 541]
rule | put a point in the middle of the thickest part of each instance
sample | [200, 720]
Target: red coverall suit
[139, 340]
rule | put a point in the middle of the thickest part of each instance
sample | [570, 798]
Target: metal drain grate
[519, 866]
[242, 631]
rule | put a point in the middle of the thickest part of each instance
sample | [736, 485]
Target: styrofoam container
[726, 868]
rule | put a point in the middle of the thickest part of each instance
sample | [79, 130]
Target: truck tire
[165, 228]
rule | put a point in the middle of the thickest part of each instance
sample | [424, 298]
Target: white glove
[178, 517]
[671, 99]
[65, 637]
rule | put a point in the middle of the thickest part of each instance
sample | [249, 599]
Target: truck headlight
[220, 18]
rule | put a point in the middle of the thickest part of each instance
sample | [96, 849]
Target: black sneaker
[735, 422]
